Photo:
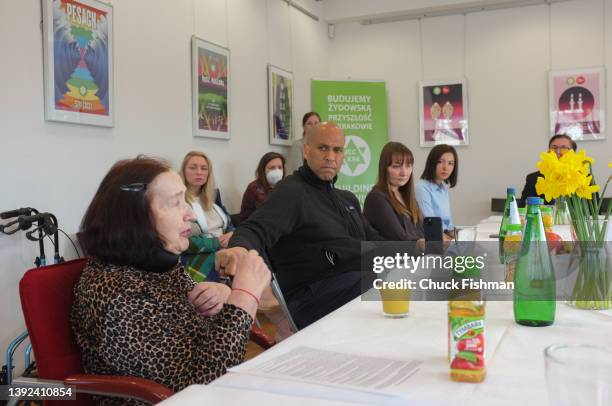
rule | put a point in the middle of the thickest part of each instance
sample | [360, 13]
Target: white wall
[347, 10]
[57, 167]
[505, 56]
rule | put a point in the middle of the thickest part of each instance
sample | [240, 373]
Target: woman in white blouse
[212, 229]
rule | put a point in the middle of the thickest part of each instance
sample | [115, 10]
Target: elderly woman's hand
[251, 278]
[208, 297]
[224, 239]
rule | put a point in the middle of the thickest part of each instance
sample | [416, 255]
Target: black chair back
[497, 205]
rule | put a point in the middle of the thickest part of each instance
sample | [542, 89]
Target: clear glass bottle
[522, 214]
[512, 248]
[511, 216]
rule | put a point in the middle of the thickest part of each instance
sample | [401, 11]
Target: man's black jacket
[309, 229]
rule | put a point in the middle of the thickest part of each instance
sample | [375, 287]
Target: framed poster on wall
[443, 113]
[280, 106]
[577, 103]
[359, 107]
[78, 61]
[210, 67]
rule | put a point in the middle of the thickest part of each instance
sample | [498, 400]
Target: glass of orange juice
[395, 294]
[395, 302]
[547, 217]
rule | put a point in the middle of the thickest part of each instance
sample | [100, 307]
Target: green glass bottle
[534, 277]
[510, 216]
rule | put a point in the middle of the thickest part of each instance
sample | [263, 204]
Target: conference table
[514, 355]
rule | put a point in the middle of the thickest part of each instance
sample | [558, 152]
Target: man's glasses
[559, 148]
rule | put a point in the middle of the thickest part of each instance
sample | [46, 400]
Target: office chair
[281, 301]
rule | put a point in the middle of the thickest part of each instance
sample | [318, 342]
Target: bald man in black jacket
[312, 232]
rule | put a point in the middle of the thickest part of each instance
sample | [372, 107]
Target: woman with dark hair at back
[391, 207]
[136, 312]
[295, 158]
[270, 170]
[440, 174]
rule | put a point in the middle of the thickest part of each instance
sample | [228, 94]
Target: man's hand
[227, 260]
[208, 297]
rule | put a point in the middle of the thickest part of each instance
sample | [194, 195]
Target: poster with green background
[360, 109]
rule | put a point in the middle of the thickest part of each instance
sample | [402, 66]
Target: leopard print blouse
[129, 322]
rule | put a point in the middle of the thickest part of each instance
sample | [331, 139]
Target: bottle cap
[511, 190]
[534, 201]
[546, 209]
[522, 210]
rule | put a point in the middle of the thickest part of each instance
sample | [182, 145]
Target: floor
[270, 329]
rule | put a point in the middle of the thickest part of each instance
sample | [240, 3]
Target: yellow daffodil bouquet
[570, 177]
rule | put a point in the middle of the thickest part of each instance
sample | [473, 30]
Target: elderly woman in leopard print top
[136, 312]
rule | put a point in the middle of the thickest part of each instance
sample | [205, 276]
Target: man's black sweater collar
[310, 177]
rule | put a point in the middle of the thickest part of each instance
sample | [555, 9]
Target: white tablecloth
[514, 355]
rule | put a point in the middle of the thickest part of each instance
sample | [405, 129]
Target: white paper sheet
[346, 371]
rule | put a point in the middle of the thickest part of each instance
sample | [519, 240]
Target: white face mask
[274, 176]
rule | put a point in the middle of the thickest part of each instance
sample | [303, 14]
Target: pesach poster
[78, 59]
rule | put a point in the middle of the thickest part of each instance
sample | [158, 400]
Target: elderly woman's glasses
[134, 187]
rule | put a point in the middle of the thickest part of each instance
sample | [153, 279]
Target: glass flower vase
[561, 212]
[592, 289]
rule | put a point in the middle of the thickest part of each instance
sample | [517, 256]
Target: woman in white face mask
[270, 171]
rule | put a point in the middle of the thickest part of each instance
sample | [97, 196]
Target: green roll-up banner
[360, 109]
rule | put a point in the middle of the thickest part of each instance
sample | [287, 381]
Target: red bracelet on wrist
[248, 293]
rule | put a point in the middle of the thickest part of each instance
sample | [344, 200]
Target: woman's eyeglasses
[134, 187]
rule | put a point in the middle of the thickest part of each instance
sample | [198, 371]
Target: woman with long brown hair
[391, 206]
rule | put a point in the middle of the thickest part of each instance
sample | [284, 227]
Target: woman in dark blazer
[391, 206]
